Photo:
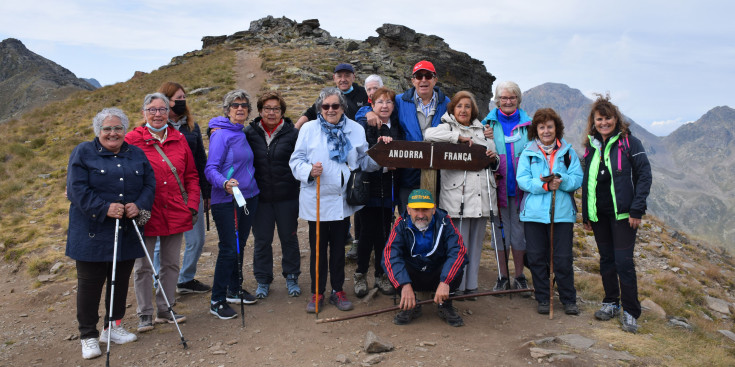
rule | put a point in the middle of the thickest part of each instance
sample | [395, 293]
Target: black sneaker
[247, 298]
[450, 315]
[222, 310]
[405, 317]
[192, 286]
[502, 284]
[543, 307]
[521, 283]
[571, 309]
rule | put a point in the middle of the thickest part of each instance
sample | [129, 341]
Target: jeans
[284, 215]
[194, 245]
[91, 277]
[228, 269]
[616, 243]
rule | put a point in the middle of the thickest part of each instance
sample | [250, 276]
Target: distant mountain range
[93, 82]
[28, 80]
[694, 173]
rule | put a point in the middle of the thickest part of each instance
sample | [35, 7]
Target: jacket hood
[221, 122]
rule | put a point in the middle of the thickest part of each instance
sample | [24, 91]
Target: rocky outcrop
[28, 80]
[391, 54]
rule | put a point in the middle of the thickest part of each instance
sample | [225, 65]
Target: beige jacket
[476, 202]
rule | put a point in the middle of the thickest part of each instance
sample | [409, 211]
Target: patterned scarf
[337, 142]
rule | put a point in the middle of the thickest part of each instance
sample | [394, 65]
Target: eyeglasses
[235, 105]
[386, 102]
[109, 129]
[272, 109]
[334, 106]
[153, 111]
[507, 99]
[426, 76]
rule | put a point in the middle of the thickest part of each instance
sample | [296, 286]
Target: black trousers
[332, 240]
[284, 216]
[537, 252]
[422, 281]
[91, 277]
[616, 242]
[376, 222]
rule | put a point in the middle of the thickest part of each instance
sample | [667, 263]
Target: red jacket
[170, 215]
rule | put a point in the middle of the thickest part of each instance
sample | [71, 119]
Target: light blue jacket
[536, 205]
[311, 147]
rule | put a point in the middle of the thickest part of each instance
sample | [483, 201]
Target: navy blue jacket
[95, 179]
[448, 251]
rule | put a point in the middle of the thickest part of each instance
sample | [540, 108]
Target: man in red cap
[419, 108]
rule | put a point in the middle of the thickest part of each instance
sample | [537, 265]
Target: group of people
[267, 173]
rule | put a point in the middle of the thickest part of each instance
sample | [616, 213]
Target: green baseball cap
[420, 198]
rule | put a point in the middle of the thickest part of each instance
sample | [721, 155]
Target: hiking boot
[629, 322]
[543, 307]
[247, 298]
[311, 306]
[145, 323]
[384, 285]
[90, 348]
[292, 284]
[192, 286]
[571, 309]
[607, 311]
[118, 335]
[262, 290]
[166, 318]
[405, 317]
[502, 284]
[361, 287]
[340, 300]
[450, 315]
[222, 310]
[458, 293]
[352, 253]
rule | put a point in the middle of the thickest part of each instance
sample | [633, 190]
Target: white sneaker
[118, 336]
[90, 348]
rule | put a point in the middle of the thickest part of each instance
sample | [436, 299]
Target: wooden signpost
[429, 157]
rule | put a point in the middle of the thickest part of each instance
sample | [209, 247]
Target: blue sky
[664, 63]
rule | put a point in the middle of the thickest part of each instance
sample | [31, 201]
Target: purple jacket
[230, 156]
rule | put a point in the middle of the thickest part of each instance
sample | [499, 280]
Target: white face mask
[514, 138]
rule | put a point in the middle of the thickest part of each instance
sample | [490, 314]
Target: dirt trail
[36, 324]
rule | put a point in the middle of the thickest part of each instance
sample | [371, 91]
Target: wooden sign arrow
[427, 155]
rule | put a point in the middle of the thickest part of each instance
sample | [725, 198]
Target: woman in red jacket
[174, 207]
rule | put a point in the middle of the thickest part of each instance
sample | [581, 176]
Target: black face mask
[179, 107]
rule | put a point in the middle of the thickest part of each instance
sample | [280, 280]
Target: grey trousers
[512, 226]
[473, 234]
[169, 273]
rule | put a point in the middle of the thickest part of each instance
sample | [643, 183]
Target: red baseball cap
[424, 65]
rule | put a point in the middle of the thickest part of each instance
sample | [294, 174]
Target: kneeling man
[424, 253]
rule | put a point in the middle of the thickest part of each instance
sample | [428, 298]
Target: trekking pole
[112, 290]
[239, 265]
[551, 246]
[493, 238]
[316, 289]
[206, 214]
[158, 280]
[461, 205]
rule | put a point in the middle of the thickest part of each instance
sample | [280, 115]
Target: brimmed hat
[420, 199]
[344, 67]
[424, 65]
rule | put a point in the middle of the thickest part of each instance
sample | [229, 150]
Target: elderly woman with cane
[549, 164]
[328, 148]
[174, 210]
[460, 189]
[108, 181]
[230, 171]
[617, 180]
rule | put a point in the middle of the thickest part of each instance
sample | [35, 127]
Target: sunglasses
[427, 76]
[334, 106]
[236, 105]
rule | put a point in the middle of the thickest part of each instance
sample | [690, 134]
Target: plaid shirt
[428, 109]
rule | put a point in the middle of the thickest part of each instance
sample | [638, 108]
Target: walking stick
[551, 246]
[206, 214]
[158, 280]
[316, 302]
[239, 265]
[112, 290]
[396, 308]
